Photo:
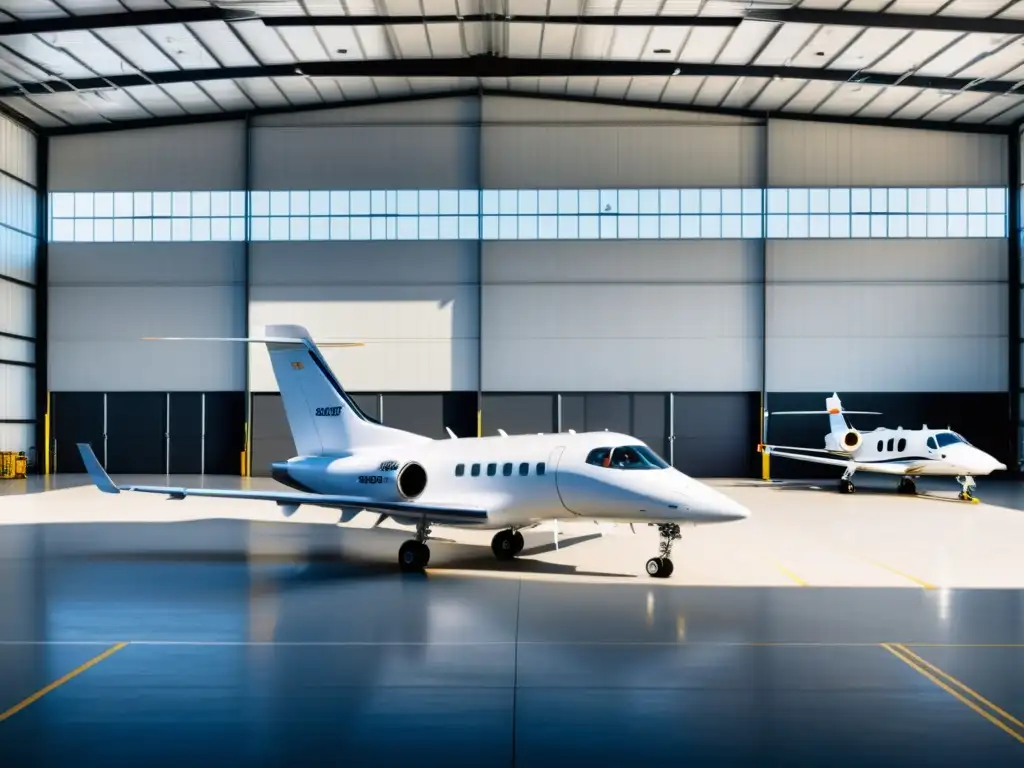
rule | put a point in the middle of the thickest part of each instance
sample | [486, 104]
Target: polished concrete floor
[242, 641]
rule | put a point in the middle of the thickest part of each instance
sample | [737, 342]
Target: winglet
[96, 472]
[451, 434]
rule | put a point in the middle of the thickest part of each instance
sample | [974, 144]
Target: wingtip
[97, 474]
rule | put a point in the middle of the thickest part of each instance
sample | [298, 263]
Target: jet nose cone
[728, 510]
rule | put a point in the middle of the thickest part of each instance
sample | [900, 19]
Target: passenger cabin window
[627, 457]
[507, 470]
[460, 470]
[890, 444]
[541, 469]
[901, 445]
[492, 470]
[931, 442]
[475, 470]
[879, 446]
[524, 469]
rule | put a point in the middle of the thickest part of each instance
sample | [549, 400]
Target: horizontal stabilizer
[821, 413]
[255, 340]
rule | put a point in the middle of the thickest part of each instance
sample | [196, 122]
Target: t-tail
[322, 417]
[837, 422]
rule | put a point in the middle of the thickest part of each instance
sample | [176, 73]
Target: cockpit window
[599, 457]
[637, 457]
[949, 438]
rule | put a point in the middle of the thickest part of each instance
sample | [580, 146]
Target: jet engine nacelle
[411, 480]
[848, 441]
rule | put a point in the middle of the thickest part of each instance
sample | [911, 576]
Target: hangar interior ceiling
[650, 219]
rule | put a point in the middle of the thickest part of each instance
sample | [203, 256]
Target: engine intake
[850, 440]
[411, 480]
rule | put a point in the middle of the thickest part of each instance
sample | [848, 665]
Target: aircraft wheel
[518, 541]
[907, 486]
[965, 496]
[659, 568]
[504, 545]
[413, 556]
[846, 486]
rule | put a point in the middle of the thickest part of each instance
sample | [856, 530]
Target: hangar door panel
[186, 444]
[641, 415]
[716, 434]
[77, 418]
[136, 432]
[519, 414]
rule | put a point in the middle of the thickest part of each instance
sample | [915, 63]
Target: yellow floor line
[58, 683]
[920, 582]
[786, 572]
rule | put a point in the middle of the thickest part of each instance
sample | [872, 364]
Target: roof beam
[590, 21]
[130, 19]
[492, 66]
[801, 15]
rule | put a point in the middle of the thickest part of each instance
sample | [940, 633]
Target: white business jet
[348, 461]
[906, 452]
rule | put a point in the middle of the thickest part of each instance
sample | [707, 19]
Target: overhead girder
[493, 66]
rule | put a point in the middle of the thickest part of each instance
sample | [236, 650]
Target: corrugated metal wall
[18, 204]
[106, 296]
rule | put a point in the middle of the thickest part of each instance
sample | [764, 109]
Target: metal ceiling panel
[670, 39]
[180, 45]
[581, 86]
[952, 108]
[342, 43]
[705, 44]
[263, 93]
[746, 41]
[810, 96]
[157, 101]
[555, 86]
[973, 8]
[446, 40]
[828, 5]
[137, 49]
[88, 7]
[373, 41]
[997, 64]
[412, 42]
[592, 42]
[328, 89]
[871, 6]
[534, 7]
[391, 87]
[966, 51]
[600, 7]
[46, 56]
[888, 101]
[223, 44]
[786, 44]
[27, 108]
[776, 94]
[682, 90]
[362, 88]
[192, 98]
[629, 43]
[646, 88]
[524, 40]
[612, 87]
[145, 5]
[93, 51]
[1010, 116]
[848, 98]
[922, 7]
[33, 9]
[1014, 12]
[557, 41]
[639, 7]
[17, 69]
[299, 90]
[989, 109]
[872, 45]
[304, 43]
[915, 51]
[476, 40]
[228, 95]
[713, 91]
[922, 104]
[824, 46]
[266, 44]
[744, 91]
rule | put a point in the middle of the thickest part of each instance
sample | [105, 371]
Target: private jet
[906, 452]
[508, 483]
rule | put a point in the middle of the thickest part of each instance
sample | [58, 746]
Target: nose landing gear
[906, 486]
[507, 544]
[661, 567]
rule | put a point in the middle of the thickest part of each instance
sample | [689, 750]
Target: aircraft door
[553, 461]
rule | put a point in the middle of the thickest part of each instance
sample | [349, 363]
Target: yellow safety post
[46, 437]
[479, 423]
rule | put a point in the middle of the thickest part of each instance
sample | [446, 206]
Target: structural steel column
[1013, 281]
[246, 185]
[42, 304]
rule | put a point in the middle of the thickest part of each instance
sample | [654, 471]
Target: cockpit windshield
[626, 457]
[949, 438]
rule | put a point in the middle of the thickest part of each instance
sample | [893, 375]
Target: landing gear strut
[906, 486]
[661, 567]
[507, 544]
[967, 486]
[846, 482]
[414, 555]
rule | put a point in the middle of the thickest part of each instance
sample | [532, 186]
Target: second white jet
[349, 461]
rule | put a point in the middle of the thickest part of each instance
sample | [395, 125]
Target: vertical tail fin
[836, 420]
[323, 419]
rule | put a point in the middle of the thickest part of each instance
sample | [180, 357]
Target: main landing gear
[906, 486]
[661, 567]
[846, 482]
[507, 544]
[967, 486]
[414, 555]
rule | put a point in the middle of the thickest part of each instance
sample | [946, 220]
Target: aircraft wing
[292, 499]
[835, 461]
